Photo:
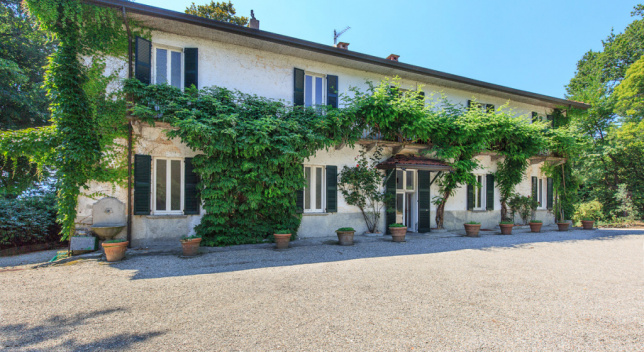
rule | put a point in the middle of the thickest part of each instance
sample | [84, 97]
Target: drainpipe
[129, 135]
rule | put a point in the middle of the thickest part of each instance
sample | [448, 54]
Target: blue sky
[529, 45]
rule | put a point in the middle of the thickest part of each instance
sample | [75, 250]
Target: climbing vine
[87, 119]
[252, 151]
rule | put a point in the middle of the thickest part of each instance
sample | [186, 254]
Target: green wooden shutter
[332, 90]
[551, 120]
[489, 190]
[390, 198]
[143, 60]
[299, 201]
[142, 184]
[298, 87]
[421, 96]
[534, 188]
[331, 189]
[549, 199]
[470, 197]
[469, 104]
[191, 194]
[424, 201]
[535, 116]
[191, 67]
[489, 107]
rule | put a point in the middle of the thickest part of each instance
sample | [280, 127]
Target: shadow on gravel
[310, 251]
[60, 330]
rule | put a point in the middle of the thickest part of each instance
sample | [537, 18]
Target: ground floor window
[479, 193]
[168, 186]
[314, 200]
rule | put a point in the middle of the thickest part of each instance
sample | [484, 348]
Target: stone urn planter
[506, 228]
[345, 236]
[398, 232]
[563, 226]
[472, 229]
[535, 226]
[587, 224]
[282, 240]
[190, 245]
[114, 249]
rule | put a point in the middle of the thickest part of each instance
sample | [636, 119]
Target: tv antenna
[336, 35]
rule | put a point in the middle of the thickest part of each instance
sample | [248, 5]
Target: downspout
[129, 135]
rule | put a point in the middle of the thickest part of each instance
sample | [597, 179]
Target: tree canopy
[219, 11]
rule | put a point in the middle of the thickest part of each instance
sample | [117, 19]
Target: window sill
[315, 214]
[167, 216]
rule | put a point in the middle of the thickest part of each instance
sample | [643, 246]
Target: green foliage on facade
[253, 150]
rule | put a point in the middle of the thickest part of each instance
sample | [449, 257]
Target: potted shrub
[190, 245]
[282, 238]
[472, 228]
[562, 225]
[506, 227]
[115, 249]
[587, 213]
[535, 225]
[345, 235]
[398, 232]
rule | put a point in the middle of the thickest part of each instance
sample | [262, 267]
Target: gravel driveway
[530, 292]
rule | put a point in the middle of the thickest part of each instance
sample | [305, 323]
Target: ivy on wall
[252, 154]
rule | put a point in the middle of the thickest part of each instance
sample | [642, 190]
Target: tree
[23, 57]
[611, 81]
[218, 11]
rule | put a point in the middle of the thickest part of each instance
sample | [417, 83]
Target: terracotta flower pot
[563, 226]
[472, 230]
[282, 240]
[587, 224]
[190, 246]
[345, 237]
[506, 229]
[115, 251]
[398, 233]
[535, 226]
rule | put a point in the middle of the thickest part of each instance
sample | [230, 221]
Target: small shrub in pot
[190, 245]
[282, 239]
[472, 228]
[535, 225]
[345, 235]
[506, 227]
[398, 232]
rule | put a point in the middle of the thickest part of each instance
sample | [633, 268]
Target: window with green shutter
[332, 90]
[331, 189]
[390, 198]
[298, 87]
[534, 188]
[142, 184]
[191, 195]
[489, 188]
[424, 201]
[191, 67]
[549, 194]
[143, 60]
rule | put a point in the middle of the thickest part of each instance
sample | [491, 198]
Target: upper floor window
[168, 66]
[314, 90]
[483, 106]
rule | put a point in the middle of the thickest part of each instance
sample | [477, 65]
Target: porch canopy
[414, 162]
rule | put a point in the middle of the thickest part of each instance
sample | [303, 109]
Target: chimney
[342, 45]
[254, 23]
[393, 57]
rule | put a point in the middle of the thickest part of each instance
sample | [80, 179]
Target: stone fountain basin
[107, 231]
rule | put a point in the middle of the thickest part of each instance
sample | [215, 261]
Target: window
[404, 180]
[314, 90]
[483, 106]
[542, 193]
[168, 67]
[314, 201]
[479, 193]
[168, 186]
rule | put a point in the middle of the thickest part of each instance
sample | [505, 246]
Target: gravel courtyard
[579, 290]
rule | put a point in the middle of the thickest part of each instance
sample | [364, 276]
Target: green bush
[346, 229]
[472, 223]
[28, 220]
[507, 222]
[589, 211]
[397, 225]
[524, 206]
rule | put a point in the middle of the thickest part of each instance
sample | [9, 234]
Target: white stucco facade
[270, 74]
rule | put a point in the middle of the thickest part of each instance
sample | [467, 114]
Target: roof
[317, 48]
[413, 162]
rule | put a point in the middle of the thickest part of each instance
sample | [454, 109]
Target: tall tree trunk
[440, 210]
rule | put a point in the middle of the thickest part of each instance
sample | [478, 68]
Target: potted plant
[506, 227]
[345, 236]
[115, 249]
[472, 228]
[190, 245]
[587, 213]
[535, 225]
[398, 232]
[282, 238]
[562, 225]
